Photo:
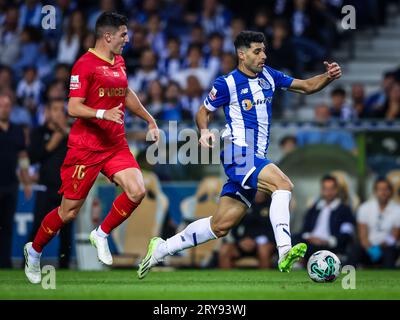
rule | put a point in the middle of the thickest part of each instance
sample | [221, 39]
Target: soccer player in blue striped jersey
[246, 95]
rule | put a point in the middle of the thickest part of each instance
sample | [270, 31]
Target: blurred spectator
[324, 135]
[13, 155]
[196, 37]
[6, 77]
[134, 52]
[305, 34]
[156, 97]
[252, 237]
[214, 17]
[19, 114]
[378, 223]
[212, 59]
[149, 7]
[287, 145]
[155, 34]
[328, 224]
[9, 38]
[146, 73]
[262, 21]
[236, 26]
[48, 147]
[358, 100]
[62, 73]
[340, 110]
[45, 63]
[171, 61]
[392, 105]
[29, 52]
[29, 92]
[104, 6]
[228, 63]
[375, 103]
[172, 109]
[281, 53]
[194, 68]
[87, 42]
[70, 43]
[30, 14]
[193, 95]
[346, 193]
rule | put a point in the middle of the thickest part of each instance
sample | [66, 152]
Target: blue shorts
[242, 168]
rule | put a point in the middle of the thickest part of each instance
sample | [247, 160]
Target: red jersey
[103, 84]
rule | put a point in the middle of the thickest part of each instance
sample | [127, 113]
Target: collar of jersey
[101, 56]
[247, 76]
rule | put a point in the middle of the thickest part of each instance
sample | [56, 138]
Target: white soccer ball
[324, 266]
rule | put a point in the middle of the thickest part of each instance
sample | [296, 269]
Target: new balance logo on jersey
[244, 91]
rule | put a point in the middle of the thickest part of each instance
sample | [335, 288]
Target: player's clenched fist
[115, 114]
[205, 137]
[333, 69]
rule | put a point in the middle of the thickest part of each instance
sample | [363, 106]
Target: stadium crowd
[176, 49]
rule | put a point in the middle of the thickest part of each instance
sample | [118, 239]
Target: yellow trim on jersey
[101, 56]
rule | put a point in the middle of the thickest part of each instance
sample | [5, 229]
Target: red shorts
[81, 168]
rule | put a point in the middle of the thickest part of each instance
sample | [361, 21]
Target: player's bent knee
[220, 229]
[285, 184]
[136, 194]
[69, 215]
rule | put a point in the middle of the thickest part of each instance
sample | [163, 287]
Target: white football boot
[32, 266]
[103, 251]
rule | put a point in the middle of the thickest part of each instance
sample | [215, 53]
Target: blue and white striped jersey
[247, 103]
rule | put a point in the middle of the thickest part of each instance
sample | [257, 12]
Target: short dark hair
[329, 177]
[246, 38]
[338, 91]
[383, 180]
[286, 139]
[109, 20]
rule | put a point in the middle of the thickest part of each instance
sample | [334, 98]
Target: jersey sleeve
[282, 80]
[80, 80]
[218, 96]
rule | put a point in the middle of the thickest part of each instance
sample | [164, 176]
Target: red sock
[51, 224]
[121, 209]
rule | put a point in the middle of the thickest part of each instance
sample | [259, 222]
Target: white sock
[280, 220]
[34, 256]
[194, 234]
[101, 233]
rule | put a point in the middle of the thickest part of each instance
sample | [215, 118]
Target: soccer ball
[324, 266]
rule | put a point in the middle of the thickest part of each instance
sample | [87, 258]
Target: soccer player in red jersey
[98, 96]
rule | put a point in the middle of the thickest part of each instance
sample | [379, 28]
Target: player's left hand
[154, 132]
[333, 69]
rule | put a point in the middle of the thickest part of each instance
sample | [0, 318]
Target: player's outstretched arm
[136, 107]
[317, 83]
[202, 120]
[77, 109]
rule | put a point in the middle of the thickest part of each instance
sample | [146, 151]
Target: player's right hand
[205, 138]
[115, 114]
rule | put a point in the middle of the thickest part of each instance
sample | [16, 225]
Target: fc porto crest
[264, 84]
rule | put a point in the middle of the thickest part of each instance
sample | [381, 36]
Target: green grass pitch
[199, 284]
